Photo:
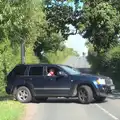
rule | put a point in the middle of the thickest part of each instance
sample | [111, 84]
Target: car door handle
[51, 78]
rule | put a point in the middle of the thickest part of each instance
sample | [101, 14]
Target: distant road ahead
[78, 62]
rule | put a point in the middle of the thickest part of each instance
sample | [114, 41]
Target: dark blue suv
[31, 82]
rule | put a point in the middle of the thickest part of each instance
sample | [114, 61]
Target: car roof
[44, 64]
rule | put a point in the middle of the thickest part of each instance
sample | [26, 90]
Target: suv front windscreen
[70, 70]
[74, 68]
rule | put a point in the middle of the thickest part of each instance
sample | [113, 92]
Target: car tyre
[23, 95]
[85, 94]
[100, 99]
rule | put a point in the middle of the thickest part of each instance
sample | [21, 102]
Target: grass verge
[11, 110]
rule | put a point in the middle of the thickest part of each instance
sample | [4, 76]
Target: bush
[59, 56]
[30, 55]
[112, 61]
[107, 64]
[10, 57]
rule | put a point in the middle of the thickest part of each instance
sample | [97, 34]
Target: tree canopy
[101, 24]
[98, 21]
[44, 22]
[30, 22]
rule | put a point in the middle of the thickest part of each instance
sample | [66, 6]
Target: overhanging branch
[72, 33]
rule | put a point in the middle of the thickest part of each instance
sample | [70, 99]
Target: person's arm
[48, 74]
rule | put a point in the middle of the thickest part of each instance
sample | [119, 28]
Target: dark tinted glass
[36, 71]
[19, 70]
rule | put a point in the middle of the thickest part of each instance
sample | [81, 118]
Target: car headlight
[101, 81]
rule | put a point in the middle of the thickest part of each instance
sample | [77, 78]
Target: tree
[59, 14]
[21, 20]
[100, 24]
[98, 20]
[47, 43]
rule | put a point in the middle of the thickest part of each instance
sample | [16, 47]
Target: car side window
[19, 70]
[36, 71]
[56, 70]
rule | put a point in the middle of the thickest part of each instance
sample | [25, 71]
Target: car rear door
[55, 86]
[36, 79]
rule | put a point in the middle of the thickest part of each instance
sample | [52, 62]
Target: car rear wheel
[85, 94]
[23, 95]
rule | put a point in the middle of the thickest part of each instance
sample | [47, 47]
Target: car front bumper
[103, 91]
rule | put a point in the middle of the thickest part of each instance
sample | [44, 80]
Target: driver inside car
[51, 72]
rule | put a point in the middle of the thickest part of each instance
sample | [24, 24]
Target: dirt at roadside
[30, 111]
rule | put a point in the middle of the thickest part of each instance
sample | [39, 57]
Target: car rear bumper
[103, 91]
[8, 90]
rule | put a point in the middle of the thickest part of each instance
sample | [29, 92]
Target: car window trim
[35, 66]
[49, 66]
[20, 66]
[57, 66]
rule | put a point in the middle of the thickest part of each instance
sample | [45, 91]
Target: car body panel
[55, 86]
[43, 85]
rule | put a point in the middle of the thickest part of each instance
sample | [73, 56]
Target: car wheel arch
[23, 85]
[88, 84]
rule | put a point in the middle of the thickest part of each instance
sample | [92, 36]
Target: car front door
[57, 86]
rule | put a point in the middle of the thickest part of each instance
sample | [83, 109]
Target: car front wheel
[23, 95]
[85, 94]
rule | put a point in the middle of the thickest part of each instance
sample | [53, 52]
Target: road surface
[70, 109]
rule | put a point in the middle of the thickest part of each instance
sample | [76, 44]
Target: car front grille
[106, 89]
[109, 81]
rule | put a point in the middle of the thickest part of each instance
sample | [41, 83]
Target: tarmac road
[70, 109]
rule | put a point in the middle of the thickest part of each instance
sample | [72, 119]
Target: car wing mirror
[61, 74]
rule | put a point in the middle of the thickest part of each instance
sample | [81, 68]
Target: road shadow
[114, 95]
[99, 102]
[66, 101]
[61, 101]
[58, 100]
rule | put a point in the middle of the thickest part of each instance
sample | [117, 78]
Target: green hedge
[107, 63]
[59, 56]
[10, 56]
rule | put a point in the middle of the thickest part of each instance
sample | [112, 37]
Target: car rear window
[18, 70]
[36, 71]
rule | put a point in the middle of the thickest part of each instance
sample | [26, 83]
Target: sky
[77, 42]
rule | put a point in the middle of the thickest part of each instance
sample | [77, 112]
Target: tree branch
[72, 33]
